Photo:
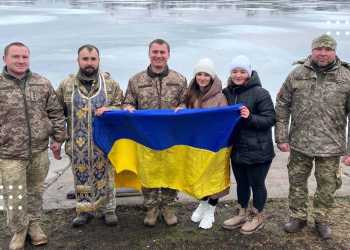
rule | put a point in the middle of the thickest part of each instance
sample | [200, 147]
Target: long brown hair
[194, 95]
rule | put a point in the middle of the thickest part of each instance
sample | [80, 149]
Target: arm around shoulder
[130, 98]
[116, 100]
[182, 91]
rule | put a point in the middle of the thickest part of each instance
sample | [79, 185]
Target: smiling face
[158, 55]
[17, 61]
[203, 79]
[88, 61]
[323, 56]
[239, 76]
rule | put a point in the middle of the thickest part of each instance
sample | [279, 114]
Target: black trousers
[251, 177]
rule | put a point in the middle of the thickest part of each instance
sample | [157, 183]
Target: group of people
[310, 120]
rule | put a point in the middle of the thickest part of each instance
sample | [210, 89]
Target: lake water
[273, 34]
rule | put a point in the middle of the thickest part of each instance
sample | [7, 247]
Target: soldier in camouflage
[30, 113]
[157, 87]
[316, 96]
[84, 95]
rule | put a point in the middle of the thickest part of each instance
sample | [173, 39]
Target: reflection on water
[272, 33]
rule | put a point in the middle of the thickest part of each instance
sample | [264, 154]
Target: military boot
[254, 223]
[18, 240]
[110, 218]
[151, 217]
[169, 216]
[294, 225]
[324, 230]
[37, 235]
[237, 220]
[82, 219]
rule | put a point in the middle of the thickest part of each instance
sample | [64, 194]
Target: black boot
[82, 219]
[110, 218]
[70, 195]
[294, 225]
[324, 230]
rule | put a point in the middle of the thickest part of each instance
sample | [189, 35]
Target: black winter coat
[252, 140]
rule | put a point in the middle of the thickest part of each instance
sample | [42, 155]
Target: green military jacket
[64, 93]
[29, 114]
[145, 92]
[312, 110]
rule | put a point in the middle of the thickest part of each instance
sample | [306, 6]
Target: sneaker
[197, 214]
[208, 217]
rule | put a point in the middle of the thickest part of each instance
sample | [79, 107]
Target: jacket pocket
[303, 87]
[335, 93]
[41, 130]
[172, 84]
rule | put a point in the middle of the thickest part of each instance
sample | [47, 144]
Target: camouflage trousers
[328, 178]
[22, 189]
[158, 197]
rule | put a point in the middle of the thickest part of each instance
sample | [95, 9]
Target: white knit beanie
[205, 65]
[242, 62]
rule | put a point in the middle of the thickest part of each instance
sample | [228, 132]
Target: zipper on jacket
[159, 92]
[27, 117]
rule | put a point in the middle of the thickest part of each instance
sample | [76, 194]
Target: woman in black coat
[252, 151]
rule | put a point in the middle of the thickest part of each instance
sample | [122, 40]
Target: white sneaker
[208, 217]
[197, 214]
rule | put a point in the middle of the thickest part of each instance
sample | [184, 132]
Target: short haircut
[159, 41]
[19, 44]
[89, 47]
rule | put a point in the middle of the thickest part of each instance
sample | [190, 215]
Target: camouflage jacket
[318, 105]
[145, 92]
[29, 115]
[65, 89]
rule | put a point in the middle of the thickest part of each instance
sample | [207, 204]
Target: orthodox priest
[83, 95]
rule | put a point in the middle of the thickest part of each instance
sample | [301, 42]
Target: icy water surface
[272, 33]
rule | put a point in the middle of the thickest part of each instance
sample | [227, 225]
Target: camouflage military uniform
[29, 114]
[318, 104]
[147, 90]
[94, 175]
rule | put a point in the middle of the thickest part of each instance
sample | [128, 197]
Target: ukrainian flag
[188, 150]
